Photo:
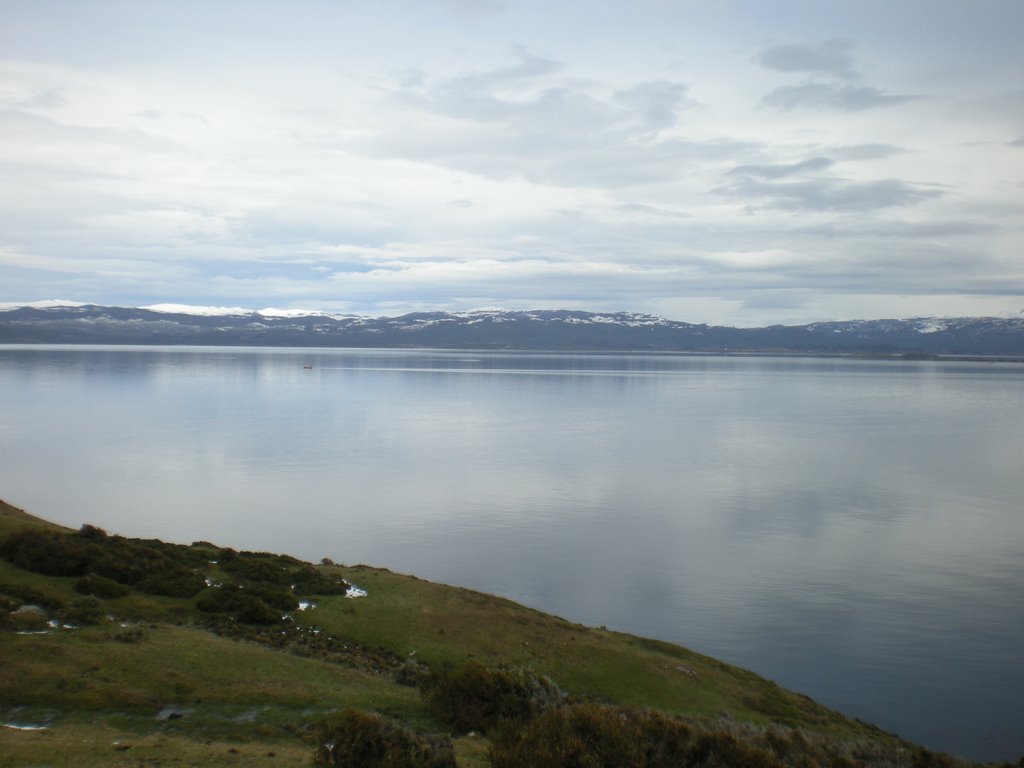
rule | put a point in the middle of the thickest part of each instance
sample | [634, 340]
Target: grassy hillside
[149, 678]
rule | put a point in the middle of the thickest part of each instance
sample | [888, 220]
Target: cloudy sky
[727, 161]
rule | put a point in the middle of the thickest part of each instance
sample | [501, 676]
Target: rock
[30, 609]
[28, 618]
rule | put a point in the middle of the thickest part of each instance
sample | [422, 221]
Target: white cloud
[779, 171]
[849, 98]
[830, 194]
[832, 57]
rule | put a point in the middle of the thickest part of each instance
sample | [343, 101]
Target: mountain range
[541, 329]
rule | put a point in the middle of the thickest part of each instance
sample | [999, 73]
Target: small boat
[307, 367]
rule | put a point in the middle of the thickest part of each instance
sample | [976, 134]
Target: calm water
[850, 529]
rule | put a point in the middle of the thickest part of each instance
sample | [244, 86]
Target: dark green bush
[725, 750]
[122, 565]
[358, 740]
[100, 586]
[47, 552]
[924, 758]
[246, 605]
[167, 569]
[245, 567]
[307, 580]
[274, 597]
[219, 599]
[92, 532]
[593, 736]
[85, 610]
[255, 611]
[473, 697]
[173, 584]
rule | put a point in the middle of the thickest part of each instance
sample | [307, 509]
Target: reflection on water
[850, 529]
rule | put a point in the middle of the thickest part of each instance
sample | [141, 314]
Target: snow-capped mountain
[542, 329]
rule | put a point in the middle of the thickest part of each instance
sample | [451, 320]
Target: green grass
[241, 699]
[88, 669]
[442, 624]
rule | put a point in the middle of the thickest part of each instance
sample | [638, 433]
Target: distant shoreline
[893, 357]
[977, 339]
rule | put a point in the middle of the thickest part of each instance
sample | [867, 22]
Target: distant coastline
[973, 339]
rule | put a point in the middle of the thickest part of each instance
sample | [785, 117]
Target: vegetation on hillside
[126, 652]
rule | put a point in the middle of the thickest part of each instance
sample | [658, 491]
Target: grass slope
[151, 684]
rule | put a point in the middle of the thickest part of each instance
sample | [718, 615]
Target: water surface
[850, 529]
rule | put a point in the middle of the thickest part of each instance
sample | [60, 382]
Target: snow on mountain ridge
[923, 325]
[189, 309]
[201, 311]
[476, 316]
[43, 304]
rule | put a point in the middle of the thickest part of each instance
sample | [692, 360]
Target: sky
[734, 162]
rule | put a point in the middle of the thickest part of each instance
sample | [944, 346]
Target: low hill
[127, 652]
[505, 329]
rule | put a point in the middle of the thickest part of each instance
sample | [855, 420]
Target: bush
[585, 735]
[246, 567]
[85, 610]
[173, 584]
[100, 586]
[275, 598]
[243, 604]
[219, 599]
[92, 532]
[47, 552]
[166, 567]
[309, 581]
[473, 697]
[357, 740]
[255, 611]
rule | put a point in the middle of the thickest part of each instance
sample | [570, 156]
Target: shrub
[244, 604]
[358, 740]
[219, 599]
[47, 552]
[584, 735]
[166, 567]
[924, 758]
[309, 581]
[275, 598]
[255, 611]
[100, 586]
[473, 697]
[173, 584]
[255, 568]
[723, 749]
[92, 532]
[85, 610]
